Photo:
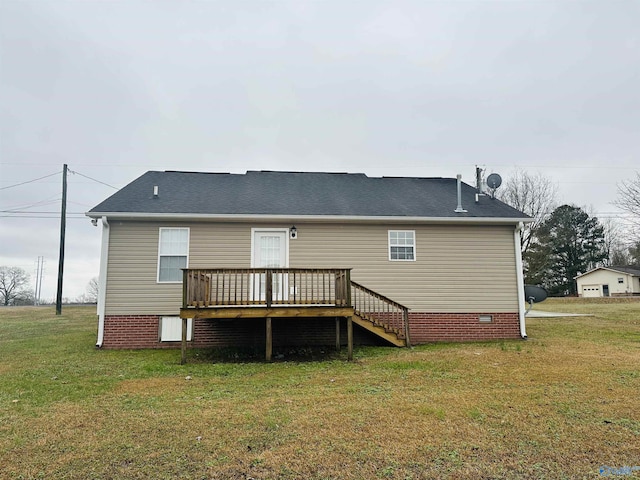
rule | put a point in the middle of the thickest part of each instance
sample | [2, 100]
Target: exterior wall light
[293, 232]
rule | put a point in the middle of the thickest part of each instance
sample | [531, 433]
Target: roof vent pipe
[459, 208]
[155, 191]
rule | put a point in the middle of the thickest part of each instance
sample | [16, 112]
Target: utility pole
[35, 291]
[40, 282]
[63, 222]
[39, 270]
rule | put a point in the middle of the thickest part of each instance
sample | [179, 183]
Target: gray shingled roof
[298, 194]
[626, 269]
[629, 269]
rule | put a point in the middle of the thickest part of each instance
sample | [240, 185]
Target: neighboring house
[412, 257]
[609, 282]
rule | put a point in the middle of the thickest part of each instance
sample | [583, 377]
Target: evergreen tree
[568, 243]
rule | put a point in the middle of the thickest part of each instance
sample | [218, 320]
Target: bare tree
[613, 244]
[13, 285]
[634, 254]
[93, 289]
[26, 298]
[533, 194]
[620, 256]
[629, 199]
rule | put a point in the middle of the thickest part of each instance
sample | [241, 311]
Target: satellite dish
[494, 181]
[534, 294]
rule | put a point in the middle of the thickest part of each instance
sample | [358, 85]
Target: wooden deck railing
[381, 310]
[217, 287]
[267, 287]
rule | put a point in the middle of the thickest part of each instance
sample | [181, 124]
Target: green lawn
[561, 405]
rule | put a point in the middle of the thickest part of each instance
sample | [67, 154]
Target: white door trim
[255, 230]
[283, 293]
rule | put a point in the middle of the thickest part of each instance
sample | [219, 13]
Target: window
[620, 280]
[402, 245]
[173, 254]
[171, 329]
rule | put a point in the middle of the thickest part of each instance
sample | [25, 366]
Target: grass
[563, 404]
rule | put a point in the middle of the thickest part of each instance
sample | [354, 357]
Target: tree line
[564, 241]
[16, 290]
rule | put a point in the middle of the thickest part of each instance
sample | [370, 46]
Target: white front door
[270, 250]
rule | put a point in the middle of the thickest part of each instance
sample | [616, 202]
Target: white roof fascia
[587, 272]
[300, 218]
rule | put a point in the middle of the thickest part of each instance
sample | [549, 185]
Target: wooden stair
[380, 315]
[390, 335]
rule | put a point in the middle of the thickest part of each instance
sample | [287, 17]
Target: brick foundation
[142, 331]
[131, 331]
[462, 327]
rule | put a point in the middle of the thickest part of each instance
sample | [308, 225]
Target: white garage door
[591, 291]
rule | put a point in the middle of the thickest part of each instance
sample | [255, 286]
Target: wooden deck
[290, 292]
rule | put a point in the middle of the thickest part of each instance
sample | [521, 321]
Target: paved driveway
[541, 314]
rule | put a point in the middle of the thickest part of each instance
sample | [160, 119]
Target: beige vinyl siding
[132, 286]
[457, 269]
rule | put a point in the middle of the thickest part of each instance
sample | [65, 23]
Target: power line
[80, 216]
[576, 167]
[98, 181]
[30, 181]
[17, 209]
[56, 173]
[408, 166]
[81, 204]
[42, 213]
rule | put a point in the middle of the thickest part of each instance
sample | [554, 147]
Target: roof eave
[610, 269]
[306, 218]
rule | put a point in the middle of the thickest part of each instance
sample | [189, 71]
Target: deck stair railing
[381, 311]
[206, 287]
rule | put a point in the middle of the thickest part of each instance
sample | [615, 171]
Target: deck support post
[183, 357]
[349, 338]
[405, 319]
[269, 342]
[337, 334]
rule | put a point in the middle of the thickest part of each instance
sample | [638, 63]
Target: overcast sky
[402, 88]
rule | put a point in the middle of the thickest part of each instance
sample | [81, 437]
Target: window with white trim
[402, 245]
[173, 254]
